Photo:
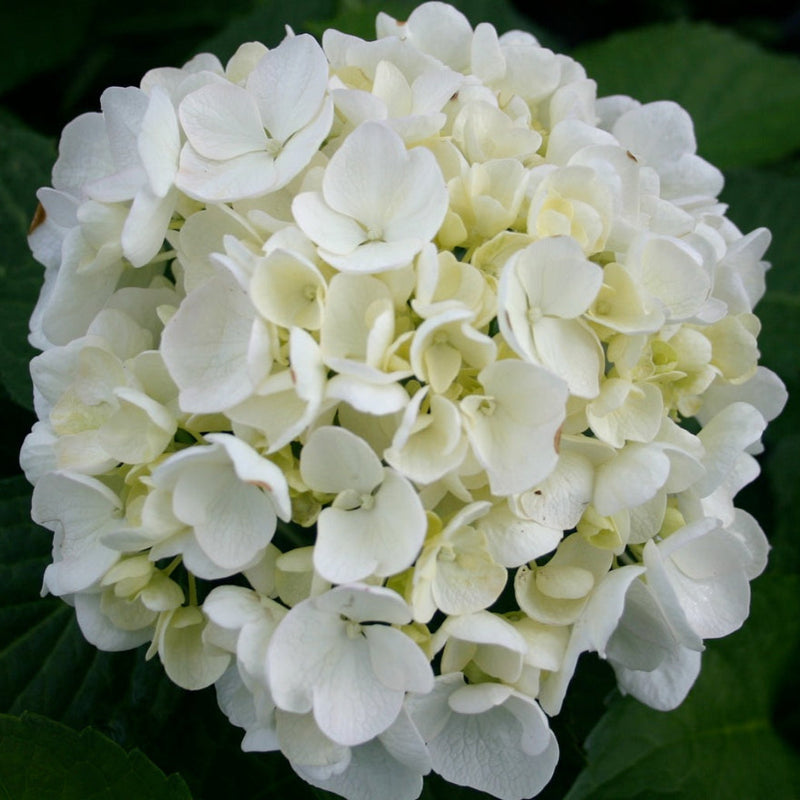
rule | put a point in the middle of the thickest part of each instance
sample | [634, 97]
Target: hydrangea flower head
[443, 370]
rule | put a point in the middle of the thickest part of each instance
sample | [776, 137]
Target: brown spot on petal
[261, 485]
[631, 156]
[557, 439]
[39, 216]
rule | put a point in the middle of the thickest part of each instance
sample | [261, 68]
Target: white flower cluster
[380, 380]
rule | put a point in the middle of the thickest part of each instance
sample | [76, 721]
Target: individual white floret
[376, 524]
[81, 511]
[672, 272]
[483, 132]
[512, 425]
[708, 570]
[661, 135]
[429, 441]
[358, 341]
[557, 592]
[379, 203]
[331, 655]
[487, 736]
[444, 282]
[654, 653]
[242, 622]
[215, 505]
[187, 659]
[485, 199]
[122, 615]
[560, 500]
[626, 411]
[455, 572]
[435, 28]
[408, 101]
[444, 343]
[725, 437]
[248, 707]
[571, 201]
[289, 290]
[391, 765]
[543, 291]
[245, 142]
[481, 639]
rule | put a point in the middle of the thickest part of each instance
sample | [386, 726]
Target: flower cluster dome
[380, 380]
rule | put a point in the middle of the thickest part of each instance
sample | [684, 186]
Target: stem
[192, 589]
[172, 565]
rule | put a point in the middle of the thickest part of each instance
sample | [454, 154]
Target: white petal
[724, 437]
[630, 479]
[159, 142]
[383, 539]
[559, 502]
[334, 459]
[337, 233]
[571, 350]
[289, 84]
[80, 511]
[491, 751]
[513, 429]
[146, 226]
[244, 176]
[665, 687]
[221, 121]
[205, 346]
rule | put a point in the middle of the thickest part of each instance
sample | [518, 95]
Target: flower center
[534, 314]
[273, 147]
[487, 406]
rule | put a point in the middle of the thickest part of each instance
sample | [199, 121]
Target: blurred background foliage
[735, 67]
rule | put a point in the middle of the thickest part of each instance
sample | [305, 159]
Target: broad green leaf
[25, 162]
[744, 100]
[41, 758]
[722, 743]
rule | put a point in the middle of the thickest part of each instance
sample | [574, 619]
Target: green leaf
[40, 758]
[744, 100]
[25, 162]
[723, 742]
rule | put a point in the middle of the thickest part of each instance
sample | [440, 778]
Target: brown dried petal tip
[39, 216]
